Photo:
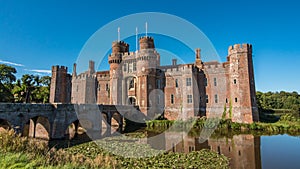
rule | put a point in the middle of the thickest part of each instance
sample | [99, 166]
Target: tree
[32, 88]
[278, 100]
[7, 74]
[42, 89]
[7, 77]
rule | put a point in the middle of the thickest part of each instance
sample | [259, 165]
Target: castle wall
[84, 89]
[217, 89]
[103, 88]
[182, 106]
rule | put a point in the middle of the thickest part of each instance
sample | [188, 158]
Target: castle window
[172, 99]
[189, 98]
[216, 98]
[125, 67]
[226, 100]
[188, 81]
[173, 147]
[176, 83]
[134, 66]
[131, 84]
[234, 81]
[130, 67]
[106, 87]
[206, 98]
[215, 81]
[205, 81]
[158, 99]
[99, 87]
[158, 83]
[191, 148]
[219, 150]
[76, 88]
[236, 99]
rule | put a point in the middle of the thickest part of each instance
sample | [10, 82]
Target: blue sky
[38, 34]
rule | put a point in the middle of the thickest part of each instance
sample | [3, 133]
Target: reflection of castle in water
[243, 150]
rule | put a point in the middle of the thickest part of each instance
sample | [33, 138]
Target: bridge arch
[29, 128]
[71, 130]
[117, 120]
[37, 127]
[4, 125]
[42, 128]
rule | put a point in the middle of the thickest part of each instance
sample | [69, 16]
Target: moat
[248, 151]
[245, 150]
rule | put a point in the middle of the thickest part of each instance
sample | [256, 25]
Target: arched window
[131, 84]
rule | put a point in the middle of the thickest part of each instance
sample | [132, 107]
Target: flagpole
[146, 29]
[118, 34]
[136, 39]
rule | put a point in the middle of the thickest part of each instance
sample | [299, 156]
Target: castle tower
[148, 61]
[84, 86]
[242, 86]
[60, 85]
[115, 72]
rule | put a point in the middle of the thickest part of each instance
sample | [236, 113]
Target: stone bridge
[53, 121]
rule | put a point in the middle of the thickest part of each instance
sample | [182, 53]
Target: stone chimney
[174, 62]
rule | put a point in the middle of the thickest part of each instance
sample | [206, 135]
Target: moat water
[245, 151]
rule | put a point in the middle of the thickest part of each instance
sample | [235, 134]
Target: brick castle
[179, 91]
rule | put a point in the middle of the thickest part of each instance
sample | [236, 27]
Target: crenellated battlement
[239, 48]
[179, 68]
[213, 65]
[83, 76]
[123, 43]
[59, 68]
[103, 75]
[120, 47]
[146, 42]
[146, 38]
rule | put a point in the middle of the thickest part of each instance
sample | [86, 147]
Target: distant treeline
[278, 100]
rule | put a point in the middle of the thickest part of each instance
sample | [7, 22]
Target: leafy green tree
[7, 77]
[32, 88]
[42, 89]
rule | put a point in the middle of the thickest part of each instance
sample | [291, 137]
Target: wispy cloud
[39, 71]
[11, 63]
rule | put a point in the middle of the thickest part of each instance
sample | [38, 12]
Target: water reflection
[243, 150]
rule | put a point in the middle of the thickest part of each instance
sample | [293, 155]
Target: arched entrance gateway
[132, 101]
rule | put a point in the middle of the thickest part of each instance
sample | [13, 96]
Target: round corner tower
[147, 58]
[147, 64]
[146, 42]
[119, 48]
[115, 58]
